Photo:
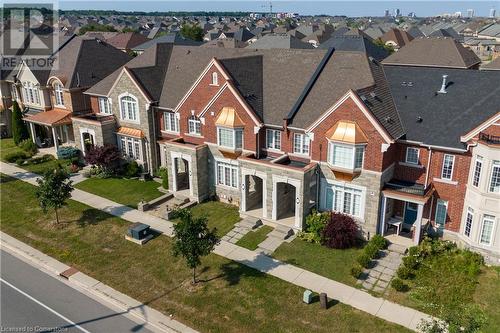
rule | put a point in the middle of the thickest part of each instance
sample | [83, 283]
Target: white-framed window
[447, 171]
[343, 199]
[468, 221]
[58, 93]
[495, 177]
[215, 79]
[194, 125]
[273, 139]
[412, 155]
[14, 92]
[441, 212]
[478, 166]
[227, 174]
[487, 229]
[129, 108]
[130, 147]
[104, 106]
[345, 156]
[31, 93]
[230, 138]
[171, 122]
[301, 144]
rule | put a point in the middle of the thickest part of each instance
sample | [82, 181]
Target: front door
[88, 142]
[410, 213]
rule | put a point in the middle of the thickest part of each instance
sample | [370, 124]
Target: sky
[348, 8]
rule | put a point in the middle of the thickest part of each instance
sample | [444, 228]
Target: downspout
[427, 169]
[318, 177]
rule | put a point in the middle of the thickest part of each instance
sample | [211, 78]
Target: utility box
[139, 233]
[308, 296]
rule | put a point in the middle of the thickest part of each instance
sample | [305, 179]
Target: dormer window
[229, 129]
[194, 125]
[58, 92]
[215, 79]
[346, 145]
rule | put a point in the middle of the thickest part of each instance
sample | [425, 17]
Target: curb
[102, 291]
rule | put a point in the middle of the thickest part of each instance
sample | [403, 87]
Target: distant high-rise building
[387, 13]
[492, 12]
[397, 12]
[458, 14]
[412, 14]
[470, 13]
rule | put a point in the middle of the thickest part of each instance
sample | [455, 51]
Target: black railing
[493, 139]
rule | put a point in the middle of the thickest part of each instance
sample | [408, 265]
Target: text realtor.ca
[32, 62]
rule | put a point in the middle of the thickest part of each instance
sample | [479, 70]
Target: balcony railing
[491, 139]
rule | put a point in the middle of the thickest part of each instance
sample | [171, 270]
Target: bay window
[194, 125]
[487, 229]
[468, 221]
[343, 199]
[301, 144]
[58, 92]
[130, 147]
[104, 106]
[171, 122]
[345, 156]
[477, 171]
[227, 174]
[495, 177]
[273, 138]
[129, 108]
[447, 171]
[230, 138]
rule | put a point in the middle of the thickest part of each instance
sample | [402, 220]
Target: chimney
[443, 86]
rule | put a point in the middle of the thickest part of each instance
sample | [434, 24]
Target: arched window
[215, 79]
[194, 125]
[129, 108]
[58, 92]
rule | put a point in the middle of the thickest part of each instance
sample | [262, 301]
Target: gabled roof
[355, 44]
[440, 119]
[174, 38]
[434, 52]
[400, 37]
[127, 40]
[279, 41]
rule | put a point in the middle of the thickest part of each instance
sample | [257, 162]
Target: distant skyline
[348, 8]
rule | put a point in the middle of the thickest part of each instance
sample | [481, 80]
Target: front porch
[402, 212]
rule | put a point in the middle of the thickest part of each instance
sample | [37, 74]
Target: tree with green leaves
[19, 128]
[54, 188]
[192, 31]
[193, 239]
[96, 27]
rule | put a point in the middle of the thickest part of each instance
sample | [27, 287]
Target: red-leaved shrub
[340, 232]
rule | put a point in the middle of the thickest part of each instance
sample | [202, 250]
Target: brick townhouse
[280, 132]
[51, 98]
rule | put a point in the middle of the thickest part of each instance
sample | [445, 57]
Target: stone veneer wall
[104, 133]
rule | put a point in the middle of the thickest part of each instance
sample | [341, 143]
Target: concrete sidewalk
[90, 286]
[358, 299]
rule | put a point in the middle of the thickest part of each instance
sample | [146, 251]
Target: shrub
[399, 285]
[67, 153]
[28, 146]
[20, 161]
[340, 232]
[307, 236]
[411, 262]
[16, 155]
[404, 273]
[41, 159]
[364, 260]
[379, 241]
[371, 250]
[164, 178]
[315, 224]
[356, 271]
[104, 157]
[132, 169]
[414, 251]
[19, 128]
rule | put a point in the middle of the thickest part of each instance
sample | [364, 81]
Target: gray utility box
[139, 233]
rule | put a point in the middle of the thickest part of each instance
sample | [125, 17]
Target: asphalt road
[33, 301]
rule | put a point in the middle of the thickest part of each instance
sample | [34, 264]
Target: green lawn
[331, 263]
[7, 146]
[487, 295]
[220, 215]
[231, 298]
[252, 239]
[127, 192]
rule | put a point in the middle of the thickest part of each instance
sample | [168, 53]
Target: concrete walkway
[356, 298]
[377, 277]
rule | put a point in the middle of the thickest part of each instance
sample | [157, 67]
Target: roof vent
[410, 84]
[419, 119]
[443, 85]
[403, 83]
[373, 95]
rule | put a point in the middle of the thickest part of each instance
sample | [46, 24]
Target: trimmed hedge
[17, 155]
[364, 260]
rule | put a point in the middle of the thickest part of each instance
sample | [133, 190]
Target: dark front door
[88, 142]
[410, 213]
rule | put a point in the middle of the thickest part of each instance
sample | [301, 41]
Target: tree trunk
[57, 216]
[194, 275]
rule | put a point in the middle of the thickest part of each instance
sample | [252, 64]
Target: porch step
[249, 222]
[281, 232]
[397, 248]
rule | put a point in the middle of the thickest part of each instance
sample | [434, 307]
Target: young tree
[19, 128]
[340, 232]
[192, 31]
[54, 189]
[105, 157]
[193, 239]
